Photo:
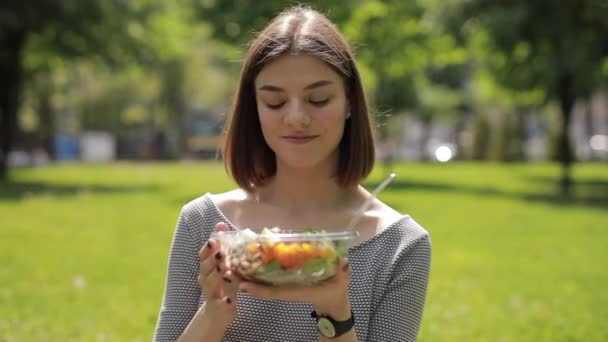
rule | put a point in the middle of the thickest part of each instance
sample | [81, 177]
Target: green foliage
[512, 261]
[395, 42]
[122, 63]
[237, 21]
[538, 42]
[487, 89]
[175, 64]
[559, 48]
[70, 29]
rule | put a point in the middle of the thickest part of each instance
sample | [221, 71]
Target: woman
[299, 141]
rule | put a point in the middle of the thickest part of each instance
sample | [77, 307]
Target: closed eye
[320, 103]
[275, 106]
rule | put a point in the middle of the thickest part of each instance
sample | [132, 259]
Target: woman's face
[302, 108]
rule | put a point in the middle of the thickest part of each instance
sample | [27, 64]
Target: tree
[398, 52]
[415, 67]
[236, 21]
[42, 32]
[561, 48]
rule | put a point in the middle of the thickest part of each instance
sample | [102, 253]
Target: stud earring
[348, 115]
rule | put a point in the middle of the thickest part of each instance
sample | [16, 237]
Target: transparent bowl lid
[305, 236]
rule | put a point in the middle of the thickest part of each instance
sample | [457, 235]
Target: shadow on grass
[12, 191]
[587, 193]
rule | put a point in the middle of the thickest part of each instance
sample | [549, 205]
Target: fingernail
[228, 300]
[209, 243]
[226, 279]
[218, 255]
[218, 268]
[345, 268]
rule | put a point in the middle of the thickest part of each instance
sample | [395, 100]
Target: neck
[305, 190]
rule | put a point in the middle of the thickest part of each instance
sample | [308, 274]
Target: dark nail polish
[228, 300]
[226, 279]
[218, 255]
[345, 268]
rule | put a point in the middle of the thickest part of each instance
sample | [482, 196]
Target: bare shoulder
[375, 220]
[228, 201]
[384, 215]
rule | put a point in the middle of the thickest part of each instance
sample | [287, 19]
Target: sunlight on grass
[84, 248]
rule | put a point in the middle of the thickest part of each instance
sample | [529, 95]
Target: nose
[296, 115]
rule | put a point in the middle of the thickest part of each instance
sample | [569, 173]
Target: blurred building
[203, 134]
[589, 128]
[417, 140]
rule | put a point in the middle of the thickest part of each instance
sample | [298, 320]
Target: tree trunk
[481, 137]
[173, 97]
[11, 45]
[44, 107]
[564, 151]
[425, 137]
[589, 125]
[519, 135]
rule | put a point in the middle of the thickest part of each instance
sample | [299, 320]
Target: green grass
[83, 249]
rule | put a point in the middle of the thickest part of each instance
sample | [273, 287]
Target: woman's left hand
[327, 296]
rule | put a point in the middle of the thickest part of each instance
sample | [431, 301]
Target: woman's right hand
[219, 291]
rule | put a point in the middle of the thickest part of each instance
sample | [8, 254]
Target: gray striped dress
[387, 291]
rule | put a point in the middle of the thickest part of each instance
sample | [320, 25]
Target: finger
[231, 284]
[284, 292]
[341, 278]
[343, 272]
[344, 266]
[228, 300]
[210, 262]
[206, 267]
[213, 284]
[209, 266]
[221, 227]
[231, 278]
[255, 290]
[208, 248]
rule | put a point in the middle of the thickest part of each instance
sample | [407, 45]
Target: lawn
[83, 249]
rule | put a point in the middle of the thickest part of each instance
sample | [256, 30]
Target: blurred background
[493, 113]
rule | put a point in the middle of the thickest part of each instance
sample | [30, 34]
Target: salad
[280, 257]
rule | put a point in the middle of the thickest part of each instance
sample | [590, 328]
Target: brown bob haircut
[298, 30]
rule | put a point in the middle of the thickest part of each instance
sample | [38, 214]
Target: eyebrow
[313, 85]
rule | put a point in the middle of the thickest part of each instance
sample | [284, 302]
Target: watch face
[326, 327]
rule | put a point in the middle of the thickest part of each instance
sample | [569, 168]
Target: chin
[305, 163]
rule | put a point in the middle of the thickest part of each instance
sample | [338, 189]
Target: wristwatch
[331, 328]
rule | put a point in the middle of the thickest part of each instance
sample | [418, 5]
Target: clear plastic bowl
[277, 258]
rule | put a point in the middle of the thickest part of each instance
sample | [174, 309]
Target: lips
[299, 139]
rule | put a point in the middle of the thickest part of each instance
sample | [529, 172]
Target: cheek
[267, 118]
[268, 123]
[333, 115]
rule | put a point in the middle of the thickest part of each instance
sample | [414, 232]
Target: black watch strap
[331, 328]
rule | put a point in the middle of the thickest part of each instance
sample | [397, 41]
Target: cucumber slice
[314, 266]
[270, 267]
[341, 247]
